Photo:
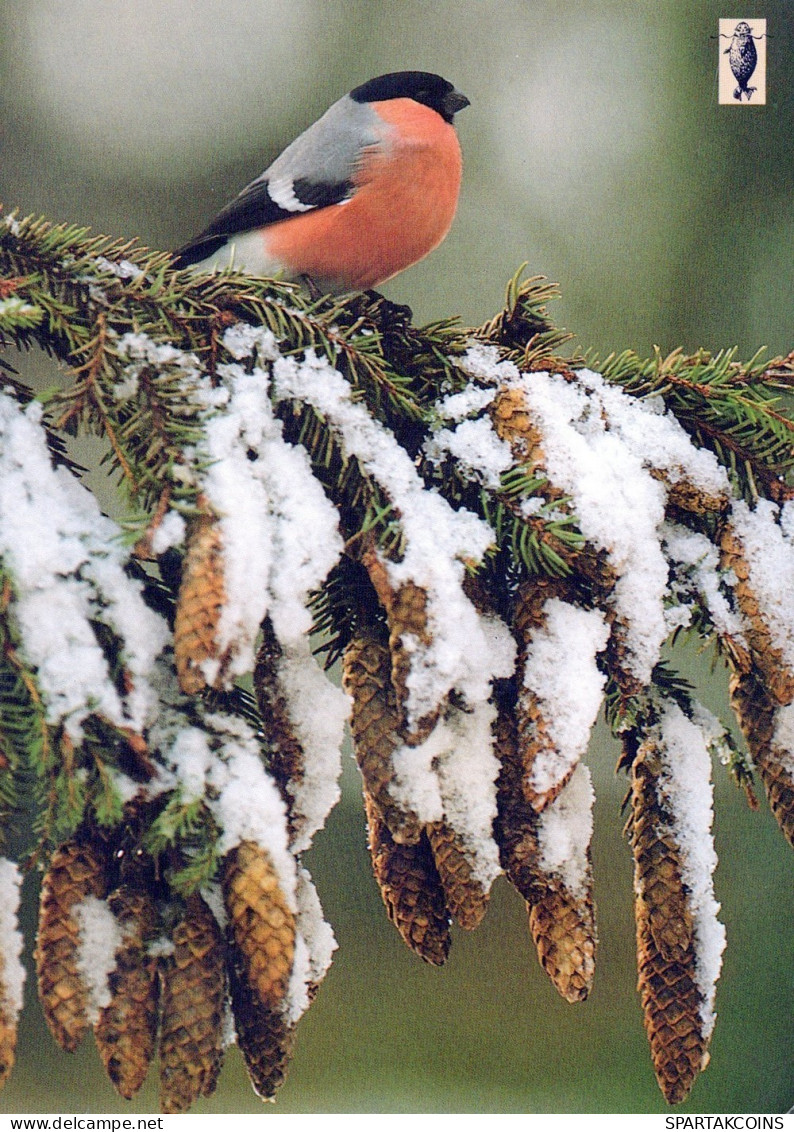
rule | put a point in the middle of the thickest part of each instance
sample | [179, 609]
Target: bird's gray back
[329, 150]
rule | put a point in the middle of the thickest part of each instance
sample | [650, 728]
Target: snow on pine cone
[562, 924]
[545, 769]
[514, 422]
[776, 673]
[406, 608]
[193, 993]
[76, 871]
[126, 1030]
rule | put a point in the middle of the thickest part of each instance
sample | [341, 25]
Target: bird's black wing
[255, 207]
[317, 170]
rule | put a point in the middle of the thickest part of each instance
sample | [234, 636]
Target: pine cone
[535, 732]
[264, 1037]
[260, 922]
[193, 992]
[8, 1041]
[536, 743]
[406, 614]
[75, 872]
[563, 927]
[666, 956]
[287, 764]
[126, 1030]
[513, 423]
[516, 822]
[756, 713]
[410, 887]
[198, 610]
[408, 623]
[684, 495]
[375, 726]
[619, 656]
[776, 675]
[564, 931]
[465, 896]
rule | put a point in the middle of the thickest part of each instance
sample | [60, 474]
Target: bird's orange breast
[404, 204]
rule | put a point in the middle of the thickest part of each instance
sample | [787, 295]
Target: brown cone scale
[408, 622]
[513, 423]
[517, 820]
[562, 926]
[562, 923]
[685, 495]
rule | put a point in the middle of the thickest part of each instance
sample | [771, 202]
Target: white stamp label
[742, 62]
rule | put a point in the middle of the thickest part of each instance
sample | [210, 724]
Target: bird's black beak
[453, 102]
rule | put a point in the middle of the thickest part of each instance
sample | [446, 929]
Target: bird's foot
[386, 310]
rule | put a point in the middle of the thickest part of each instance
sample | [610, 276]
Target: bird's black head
[422, 86]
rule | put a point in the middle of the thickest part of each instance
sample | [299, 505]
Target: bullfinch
[365, 192]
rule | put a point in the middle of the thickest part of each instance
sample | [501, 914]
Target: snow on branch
[496, 540]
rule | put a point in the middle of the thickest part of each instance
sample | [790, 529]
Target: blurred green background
[595, 150]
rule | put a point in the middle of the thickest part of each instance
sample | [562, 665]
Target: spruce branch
[463, 516]
[730, 407]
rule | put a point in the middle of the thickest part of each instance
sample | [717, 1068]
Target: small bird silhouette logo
[743, 58]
